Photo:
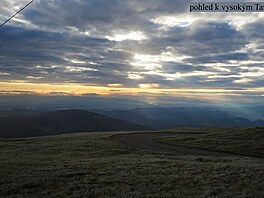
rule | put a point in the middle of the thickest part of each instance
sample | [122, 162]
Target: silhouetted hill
[57, 122]
[19, 112]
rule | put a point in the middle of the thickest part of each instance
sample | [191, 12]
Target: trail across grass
[148, 141]
[248, 142]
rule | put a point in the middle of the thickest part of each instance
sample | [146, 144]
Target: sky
[150, 50]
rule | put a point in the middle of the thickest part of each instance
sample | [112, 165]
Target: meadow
[94, 165]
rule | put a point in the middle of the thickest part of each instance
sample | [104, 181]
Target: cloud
[130, 43]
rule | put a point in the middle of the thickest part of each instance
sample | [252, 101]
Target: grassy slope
[232, 140]
[92, 165]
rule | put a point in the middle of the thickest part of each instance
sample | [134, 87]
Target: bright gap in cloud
[78, 69]
[243, 80]
[134, 36]
[149, 62]
[174, 21]
[134, 76]
[154, 62]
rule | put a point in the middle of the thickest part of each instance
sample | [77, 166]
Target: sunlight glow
[154, 62]
[148, 62]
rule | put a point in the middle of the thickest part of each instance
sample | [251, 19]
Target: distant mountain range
[27, 123]
[165, 118]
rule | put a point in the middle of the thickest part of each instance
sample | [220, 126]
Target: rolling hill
[58, 122]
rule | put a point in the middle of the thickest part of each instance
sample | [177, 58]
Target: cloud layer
[150, 43]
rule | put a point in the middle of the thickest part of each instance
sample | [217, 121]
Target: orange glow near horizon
[147, 89]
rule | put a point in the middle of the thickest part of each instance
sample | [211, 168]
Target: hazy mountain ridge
[162, 118]
[26, 123]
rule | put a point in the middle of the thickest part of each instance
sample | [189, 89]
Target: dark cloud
[101, 14]
[219, 58]
[202, 37]
[43, 54]
[173, 67]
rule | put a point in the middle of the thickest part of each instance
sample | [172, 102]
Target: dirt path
[145, 141]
